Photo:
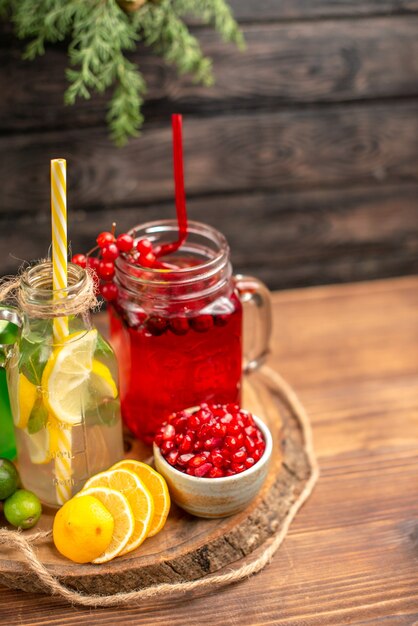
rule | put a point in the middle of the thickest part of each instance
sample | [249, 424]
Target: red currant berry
[144, 246]
[110, 252]
[109, 291]
[146, 260]
[201, 323]
[179, 325]
[106, 270]
[80, 260]
[221, 319]
[125, 242]
[93, 263]
[105, 238]
[156, 325]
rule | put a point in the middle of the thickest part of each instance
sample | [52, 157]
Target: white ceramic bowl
[216, 497]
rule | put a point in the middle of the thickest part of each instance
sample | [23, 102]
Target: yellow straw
[63, 469]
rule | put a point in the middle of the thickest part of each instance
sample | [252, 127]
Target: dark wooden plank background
[305, 153]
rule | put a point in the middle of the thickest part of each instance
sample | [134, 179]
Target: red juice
[168, 363]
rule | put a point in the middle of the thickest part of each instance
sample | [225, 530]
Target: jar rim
[34, 281]
[170, 225]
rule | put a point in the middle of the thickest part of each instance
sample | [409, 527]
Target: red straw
[176, 123]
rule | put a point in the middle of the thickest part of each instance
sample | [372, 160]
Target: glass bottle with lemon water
[63, 392]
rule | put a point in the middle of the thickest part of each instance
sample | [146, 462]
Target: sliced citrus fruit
[22, 405]
[139, 498]
[156, 485]
[43, 445]
[83, 529]
[101, 380]
[124, 523]
[66, 375]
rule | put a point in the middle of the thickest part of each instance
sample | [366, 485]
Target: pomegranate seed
[231, 442]
[167, 446]
[109, 291]
[172, 457]
[217, 458]
[125, 242]
[168, 432]
[250, 445]
[237, 469]
[110, 252]
[196, 460]
[80, 260]
[203, 469]
[104, 238]
[201, 323]
[184, 459]
[179, 325]
[194, 421]
[106, 270]
[239, 456]
[187, 444]
[214, 441]
[233, 428]
[216, 472]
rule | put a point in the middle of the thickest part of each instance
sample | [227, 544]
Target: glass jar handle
[256, 301]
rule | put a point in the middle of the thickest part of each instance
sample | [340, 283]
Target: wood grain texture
[265, 10]
[295, 238]
[228, 153]
[351, 352]
[283, 65]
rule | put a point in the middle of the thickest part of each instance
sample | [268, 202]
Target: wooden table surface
[351, 556]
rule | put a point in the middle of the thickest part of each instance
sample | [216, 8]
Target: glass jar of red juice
[178, 331]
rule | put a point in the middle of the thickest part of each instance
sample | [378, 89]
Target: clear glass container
[63, 392]
[178, 333]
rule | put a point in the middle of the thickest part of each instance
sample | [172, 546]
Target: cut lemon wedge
[119, 507]
[101, 381]
[22, 405]
[139, 498]
[66, 375]
[156, 485]
[43, 445]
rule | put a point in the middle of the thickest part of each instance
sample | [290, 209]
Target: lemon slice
[124, 524]
[43, 445]
[101, 381]
[139, 498]
[23, 401]
[66, 375]
[157, 487]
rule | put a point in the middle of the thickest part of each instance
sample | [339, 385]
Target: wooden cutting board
[188, 547]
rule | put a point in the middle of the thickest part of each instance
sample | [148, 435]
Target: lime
[22, 509]
[9, 479]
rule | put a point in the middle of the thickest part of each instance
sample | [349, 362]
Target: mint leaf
[107, 413]
[103, 349]
[38, 417]
[32, 359]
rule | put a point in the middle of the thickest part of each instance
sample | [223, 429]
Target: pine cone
[131, 5]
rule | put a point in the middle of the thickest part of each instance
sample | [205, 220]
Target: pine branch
[215, 12]
[45, 20]
[162, 29]
[124, 115]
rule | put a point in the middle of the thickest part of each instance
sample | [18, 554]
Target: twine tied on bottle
[74, 303]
